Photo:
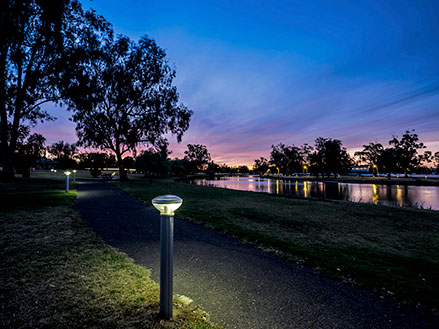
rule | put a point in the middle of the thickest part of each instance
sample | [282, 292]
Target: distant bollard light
[67, 173]
[51, 172]
[166, 204]
[74, 175]
[54, 172]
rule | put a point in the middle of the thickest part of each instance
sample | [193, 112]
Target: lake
[401, 195]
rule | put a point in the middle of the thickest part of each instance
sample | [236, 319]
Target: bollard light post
[74, 175]
[67, 173]
[54, 172]
[166, 204]
[51, 172]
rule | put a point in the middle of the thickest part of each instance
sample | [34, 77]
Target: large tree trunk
[122, 173]
[5, 152]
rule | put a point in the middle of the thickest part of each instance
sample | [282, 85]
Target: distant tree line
[328, 156]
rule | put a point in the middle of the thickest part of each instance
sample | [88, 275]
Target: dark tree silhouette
[154, 161]
[64, 153]
[30, 148]
[372, 155]
[261, 165]
[128, 162]
[96, 162]
[436, 160]
[406, 151]
[243, 170]
[329, 156]
[34, 39]
[289, 159]
[123, 97]
[198, 156]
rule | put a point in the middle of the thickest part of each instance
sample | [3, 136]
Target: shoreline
[343, 179]
[365, 180]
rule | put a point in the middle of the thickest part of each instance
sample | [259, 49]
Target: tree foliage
[197, 156]
[261, 165]
[402, 156]
[436, 160]
[289, 159]
[30, 148]
[371, 153]
[35, 37]
[406, 151]
[329, 156]
[64, 153]
[123, 97]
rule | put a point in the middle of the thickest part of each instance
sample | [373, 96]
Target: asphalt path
[238, 285]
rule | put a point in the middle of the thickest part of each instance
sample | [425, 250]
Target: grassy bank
[57, 273]
[387, 249]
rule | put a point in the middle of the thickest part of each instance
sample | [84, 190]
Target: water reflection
[401, 195]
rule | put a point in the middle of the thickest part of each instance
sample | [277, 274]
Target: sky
[257, 73]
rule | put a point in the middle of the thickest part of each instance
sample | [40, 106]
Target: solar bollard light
[74, 175]
[166, 204]
[67, 173]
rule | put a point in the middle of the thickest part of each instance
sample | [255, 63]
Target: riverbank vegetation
[390, 250]
[56, 272]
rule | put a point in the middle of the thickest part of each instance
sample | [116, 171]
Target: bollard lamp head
[67, 173]
[74, 171]
[167, 204]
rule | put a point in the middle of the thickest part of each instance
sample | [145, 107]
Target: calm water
[401, 195]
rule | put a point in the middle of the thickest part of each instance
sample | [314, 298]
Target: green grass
[56, 272]
[391, 250]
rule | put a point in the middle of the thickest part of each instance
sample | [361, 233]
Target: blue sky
[257, 73]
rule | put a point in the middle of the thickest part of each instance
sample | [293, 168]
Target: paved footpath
[238, 285]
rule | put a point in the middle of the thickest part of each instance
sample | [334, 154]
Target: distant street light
[67, 173]
[166, 204]
[74, 175]
[376, 168]
[305, 169]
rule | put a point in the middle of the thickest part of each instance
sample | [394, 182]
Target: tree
[198, 156]
[152, 163]
[261, 165]
[243, 170]
[372, 155]
[329, 156]
[436, 160]
[128, 162]
[406, 151]
[95, 160]
[178, 166]
[64, 153]
[289, 159]
[123, 97]
[388, 160]
[30, 148]
[34, 39]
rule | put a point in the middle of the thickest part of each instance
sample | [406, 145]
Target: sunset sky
[257, 73]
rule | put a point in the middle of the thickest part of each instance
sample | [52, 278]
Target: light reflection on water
[401, 195]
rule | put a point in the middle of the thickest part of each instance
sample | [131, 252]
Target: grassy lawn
[56, 272]
[392, 250]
